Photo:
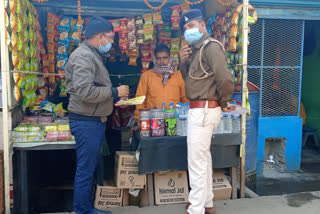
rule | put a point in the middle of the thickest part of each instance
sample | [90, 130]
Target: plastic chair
[307, 133]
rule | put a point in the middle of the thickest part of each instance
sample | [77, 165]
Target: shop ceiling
[110, 8]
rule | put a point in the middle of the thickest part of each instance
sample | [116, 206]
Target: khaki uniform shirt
[216, 87]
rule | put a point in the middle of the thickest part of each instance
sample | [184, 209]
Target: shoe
[210, 210]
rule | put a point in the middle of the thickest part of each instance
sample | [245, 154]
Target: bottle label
[157, 123]
[145, 125]
[171, 127]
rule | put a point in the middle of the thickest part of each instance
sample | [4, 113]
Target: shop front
[36, 45]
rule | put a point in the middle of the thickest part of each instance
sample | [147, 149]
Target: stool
[309, 132]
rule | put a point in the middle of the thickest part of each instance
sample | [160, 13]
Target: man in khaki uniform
[208, 87]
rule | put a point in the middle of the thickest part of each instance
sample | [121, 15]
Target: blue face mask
[105, 48]
[193, 35]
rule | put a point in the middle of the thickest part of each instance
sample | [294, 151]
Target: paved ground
[305, 203]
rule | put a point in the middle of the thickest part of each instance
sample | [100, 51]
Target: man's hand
[123, 91]
[229, 109]
[185, 51]
[118, 104]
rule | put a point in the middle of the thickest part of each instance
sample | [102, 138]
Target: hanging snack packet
[76, 35]
[157, 18]
[175, 44]
[175, 17]
[233, 31]
[116, 25]
[123, 25]
[133, 54]
[148, 31]
[235, 18]
[17, 93]
[62, 47]
[61, 61]
[232, 45]
[147, 19]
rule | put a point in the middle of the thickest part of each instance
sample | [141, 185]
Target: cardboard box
[171, 187]
[221, 187]
[108, 196]
[126, 171]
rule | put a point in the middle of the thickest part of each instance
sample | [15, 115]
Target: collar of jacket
[95, 50]
[203, 38]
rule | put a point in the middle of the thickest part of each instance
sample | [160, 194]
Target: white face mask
[193, 35]
[104, 48]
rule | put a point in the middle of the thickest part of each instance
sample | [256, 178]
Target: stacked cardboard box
[221, 186]
[171, 187]
[113, 193]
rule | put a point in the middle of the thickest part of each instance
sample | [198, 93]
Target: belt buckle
[103, 119]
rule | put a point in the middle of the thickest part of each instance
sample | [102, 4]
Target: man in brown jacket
[208, 87]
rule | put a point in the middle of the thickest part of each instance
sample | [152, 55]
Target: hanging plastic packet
[76, 35]
[175, 44]
[62, 47]
[123, 24]
[175, 17]
[147, 19]
[233, 31]
[157, 18]
[148, 31]
[133, 54]
[61, 61]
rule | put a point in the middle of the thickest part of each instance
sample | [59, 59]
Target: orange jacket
[156, 93]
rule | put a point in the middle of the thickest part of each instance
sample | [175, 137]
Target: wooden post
[234, 181]
[5, 88]
[244, 98]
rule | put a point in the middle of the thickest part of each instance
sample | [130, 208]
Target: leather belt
[202, 104]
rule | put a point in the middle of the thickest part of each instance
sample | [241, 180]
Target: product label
[145, 125]
[171, 127]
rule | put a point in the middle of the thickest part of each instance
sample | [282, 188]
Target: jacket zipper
[95, 109]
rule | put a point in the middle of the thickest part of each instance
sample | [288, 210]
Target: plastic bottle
[227, 123]
[171, 121]
[220, 128]
[157, 123]
[163, 107]
[144, 118]
[235, 123]
[183, 118]
[178, 112]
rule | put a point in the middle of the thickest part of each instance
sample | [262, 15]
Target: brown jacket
[156, 93]
[218, 85]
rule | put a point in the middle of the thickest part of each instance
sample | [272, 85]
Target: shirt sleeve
[184, 70]
[141, 91]
[222, 77]
[83, 75]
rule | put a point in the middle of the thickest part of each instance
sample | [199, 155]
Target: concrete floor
[305, 203]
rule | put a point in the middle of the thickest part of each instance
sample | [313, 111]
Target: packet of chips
[157, 18]
[133, 55]
[233, 31]
[116, 25]
[123, 24]
[175, 44]
[175, 17]
[76, 35]
[61, 61]
[62, 47]
[147, 19]
[148, 31]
